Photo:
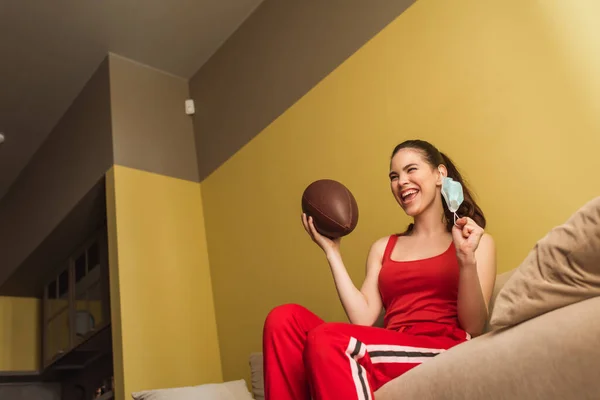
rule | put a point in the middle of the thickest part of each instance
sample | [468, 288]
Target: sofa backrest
[500, 281]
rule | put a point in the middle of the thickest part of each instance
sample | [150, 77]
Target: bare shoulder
[375, 257]
[486, 265]
[486, 255]
[378, 247]
[487, 243]
[376, 251]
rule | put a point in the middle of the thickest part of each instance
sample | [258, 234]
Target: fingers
[460, 222]
[309, 227]
[323, 241]
[463, 221]
[471, 228]
[468, 226]
[305, 223]
[467, 230]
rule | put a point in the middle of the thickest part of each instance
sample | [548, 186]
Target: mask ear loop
[455, 218]
[442, 175]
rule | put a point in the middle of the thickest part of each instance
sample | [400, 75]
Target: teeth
[408, 193]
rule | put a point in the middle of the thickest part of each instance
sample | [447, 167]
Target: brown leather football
[332, 206]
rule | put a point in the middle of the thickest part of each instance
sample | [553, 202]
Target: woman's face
[414, 183]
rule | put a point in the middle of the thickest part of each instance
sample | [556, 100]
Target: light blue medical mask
[452, 192]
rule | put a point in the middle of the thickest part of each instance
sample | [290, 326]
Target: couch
[543, 337]
[553, 356]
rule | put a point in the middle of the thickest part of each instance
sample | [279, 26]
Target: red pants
[305, 358]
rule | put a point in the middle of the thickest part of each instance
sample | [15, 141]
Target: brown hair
[434, 157]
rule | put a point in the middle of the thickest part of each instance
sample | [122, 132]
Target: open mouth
[409, 195]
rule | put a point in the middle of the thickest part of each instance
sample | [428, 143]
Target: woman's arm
[363, 306]
[475, 287]
[477, 262]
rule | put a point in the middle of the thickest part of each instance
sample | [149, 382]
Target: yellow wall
[163, 319]
[20, 334]
[496, 85]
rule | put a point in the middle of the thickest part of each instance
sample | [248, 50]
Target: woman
[434, 281]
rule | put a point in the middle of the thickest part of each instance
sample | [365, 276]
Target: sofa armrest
[256, 375]
[552, 356]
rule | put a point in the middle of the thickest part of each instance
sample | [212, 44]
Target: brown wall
[150, 129]
[277, 55]
[68, 164]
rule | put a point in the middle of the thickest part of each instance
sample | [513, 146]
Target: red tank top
[419, 291]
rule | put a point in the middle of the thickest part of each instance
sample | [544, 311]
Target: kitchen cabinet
[76, 308]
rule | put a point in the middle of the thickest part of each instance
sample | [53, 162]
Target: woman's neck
[429, 223]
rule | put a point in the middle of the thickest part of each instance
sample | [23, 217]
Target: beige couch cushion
[562, 268]
[501, 279]
[551, 357]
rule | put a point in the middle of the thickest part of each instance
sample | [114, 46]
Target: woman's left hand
[466, 235]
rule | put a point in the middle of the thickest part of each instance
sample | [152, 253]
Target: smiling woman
[434, 282]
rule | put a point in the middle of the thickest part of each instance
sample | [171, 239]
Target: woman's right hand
[329, 246]
[363, 306]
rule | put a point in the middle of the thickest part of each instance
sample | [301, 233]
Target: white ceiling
[51, 48]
